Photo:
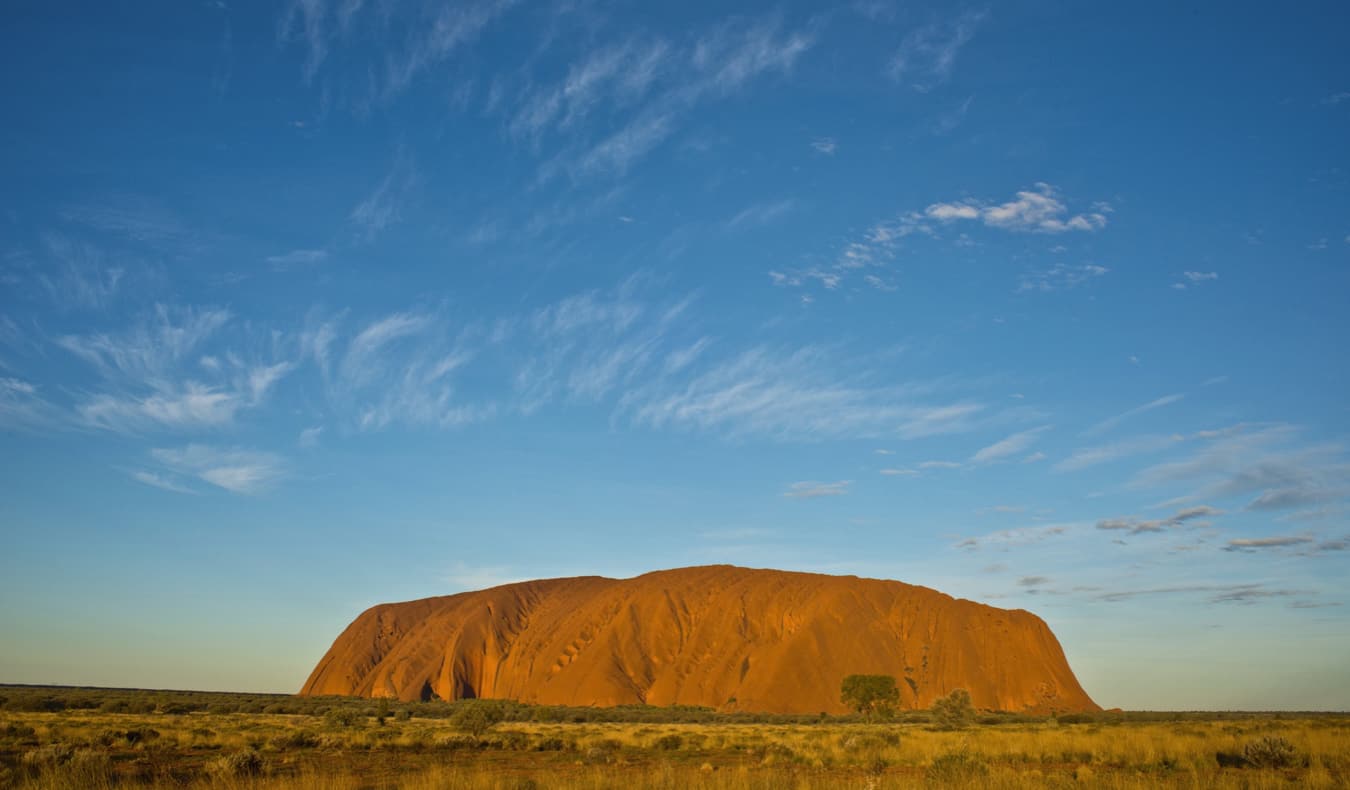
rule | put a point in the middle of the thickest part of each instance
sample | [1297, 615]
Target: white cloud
[237, 471]
[1101, 454]
[1059, 277]
[154, 375]
[1038, 209]
[158, 480]
[1021, 536]
[77, 275]
[1011, 445]
[926, 55]
[802, 395]
[899, 472]
[309, 437]
[825, 145]
[1112, 422]
[810, 489]
[649, 86]
[1262, 461]
[23, 407]
[382, 207]
[762, 213]
[297, 258]
[149, 353]
[195, 406]
[452, 26]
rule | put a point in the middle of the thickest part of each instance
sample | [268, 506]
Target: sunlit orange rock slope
[719, 636]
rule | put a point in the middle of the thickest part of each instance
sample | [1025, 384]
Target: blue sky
[313, 307]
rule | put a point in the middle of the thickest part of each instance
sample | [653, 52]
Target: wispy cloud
[1111, 422]
[1036, 210]
[1278, 542]
[157, 480]
[22, 406]
[1217, 593]
[235, 470]
[401, 369]
[1011, 445]
[1135, 526]
[651, 85]
[825, 145]
[926, 55]
[762, 213]
[152, 376]
[77, 275]
[810, 489]
[1265, 462]
[1107, 453]
[1059, 277]
[382, 207]
[1021, 536]
[428, 39]
[1194, 278]
[802, 395]
[297, 259]
[132, 217]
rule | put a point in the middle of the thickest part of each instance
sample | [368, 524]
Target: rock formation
[719, 636]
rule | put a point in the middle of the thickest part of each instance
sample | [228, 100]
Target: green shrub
[239, 764]
[1269, 751]
[959, 769]
[954, 711]
[476, 717]
[343, 717]
[669, 743]
[870, 695]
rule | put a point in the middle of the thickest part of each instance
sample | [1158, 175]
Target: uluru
[729, 638]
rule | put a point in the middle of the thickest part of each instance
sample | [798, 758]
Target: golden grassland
[98, 749]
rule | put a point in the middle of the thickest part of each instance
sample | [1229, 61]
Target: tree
[870, 694]
[954, 711]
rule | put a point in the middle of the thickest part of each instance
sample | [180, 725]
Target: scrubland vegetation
[92, 738]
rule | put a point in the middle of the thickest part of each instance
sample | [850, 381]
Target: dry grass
[90, 749]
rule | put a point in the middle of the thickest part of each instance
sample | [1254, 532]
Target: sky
[306, 307]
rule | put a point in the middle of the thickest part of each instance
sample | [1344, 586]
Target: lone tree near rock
[870, 695]
[954, 711]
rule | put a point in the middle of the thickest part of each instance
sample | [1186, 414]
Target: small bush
[476, 718]
[954, 711]
[298, 739]
[669, 743]
[239, 764]
[960, 769]
[1269, 752]
[343, 717]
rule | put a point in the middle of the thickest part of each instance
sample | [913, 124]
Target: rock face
[719, 636]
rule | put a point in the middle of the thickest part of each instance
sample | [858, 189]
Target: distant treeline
[55, 699]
